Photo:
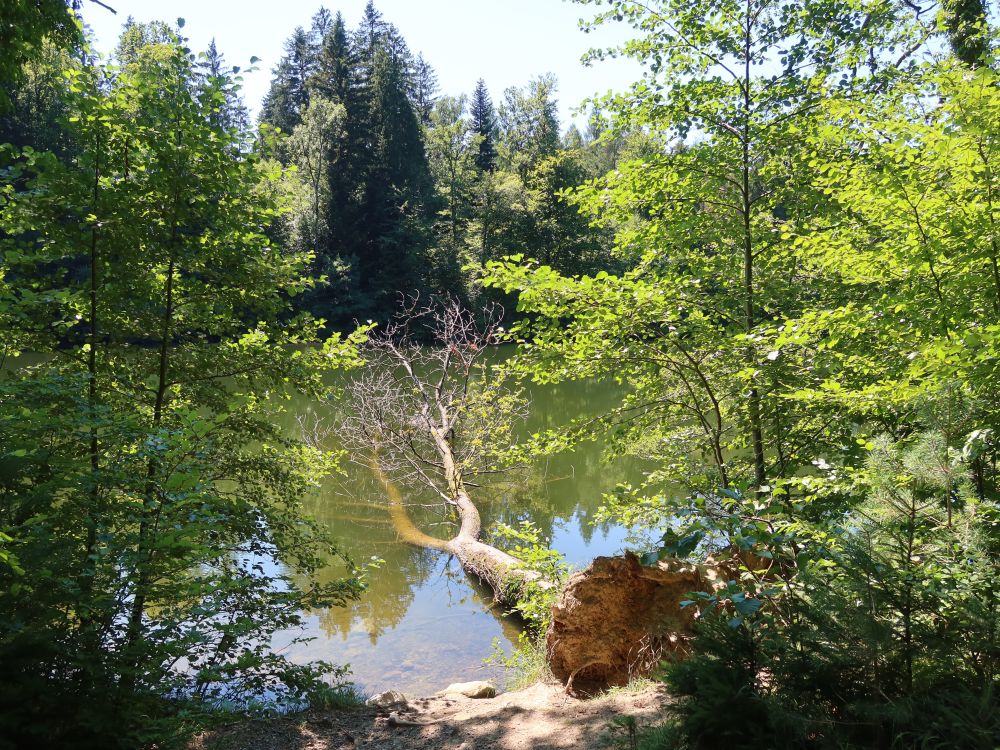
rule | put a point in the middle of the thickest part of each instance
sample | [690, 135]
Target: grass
[525, 666]
[635, 685]
[339, 697]
[665, 737]
[626, 733]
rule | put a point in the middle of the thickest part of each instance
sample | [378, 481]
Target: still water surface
[423, 623]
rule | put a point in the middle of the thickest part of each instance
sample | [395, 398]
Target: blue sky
[506, 42]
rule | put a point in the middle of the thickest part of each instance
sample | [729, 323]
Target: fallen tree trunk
[433, 415]
[503, 573]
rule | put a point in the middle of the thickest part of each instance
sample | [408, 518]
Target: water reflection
[423, 623]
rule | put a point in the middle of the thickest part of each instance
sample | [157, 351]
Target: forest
[766, 278]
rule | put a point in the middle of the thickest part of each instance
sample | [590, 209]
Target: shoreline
[539, 717]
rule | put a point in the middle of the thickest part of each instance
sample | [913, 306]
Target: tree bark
[503, 573]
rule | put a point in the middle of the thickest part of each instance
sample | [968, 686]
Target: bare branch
[106, 7]
[426, 401]
[427, 410]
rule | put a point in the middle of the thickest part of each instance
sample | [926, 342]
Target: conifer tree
[378, 185]
[337, 80]
[393, 211]
[322, 24]
[425, 88]
[484, 122]
[370, 33]
[333, 77]
[288, 98]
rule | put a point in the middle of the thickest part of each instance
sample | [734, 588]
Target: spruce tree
[484, 122]
[334, 76]
[337, 79]
[322, 23]
[393, 214]
[369, 34]
[288, 98]
[378, 211]
[425, 88]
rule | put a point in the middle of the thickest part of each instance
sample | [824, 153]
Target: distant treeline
[399, 189]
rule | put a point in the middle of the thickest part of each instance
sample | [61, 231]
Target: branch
[106, 7]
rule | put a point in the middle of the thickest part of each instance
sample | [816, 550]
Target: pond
[422, 623]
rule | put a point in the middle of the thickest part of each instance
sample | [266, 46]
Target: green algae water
[423, 623]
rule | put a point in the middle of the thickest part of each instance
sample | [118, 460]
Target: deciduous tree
[150, 494]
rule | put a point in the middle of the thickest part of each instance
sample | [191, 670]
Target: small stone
[478, 689]
[388, 698]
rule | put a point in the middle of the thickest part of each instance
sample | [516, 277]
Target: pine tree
[484, 122]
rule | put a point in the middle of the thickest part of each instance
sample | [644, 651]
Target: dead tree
[426, 412]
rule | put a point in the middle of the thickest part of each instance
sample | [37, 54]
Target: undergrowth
[532, 602]
[524, 666]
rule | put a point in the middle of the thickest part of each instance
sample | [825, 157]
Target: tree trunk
[502, 572]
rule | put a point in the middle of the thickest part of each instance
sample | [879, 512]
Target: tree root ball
[618, 619]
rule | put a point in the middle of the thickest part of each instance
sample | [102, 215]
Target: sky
[505, 42]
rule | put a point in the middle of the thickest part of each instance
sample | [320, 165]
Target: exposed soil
[539, 717]
[618, 619]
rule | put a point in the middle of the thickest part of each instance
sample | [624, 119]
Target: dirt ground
[536, 718]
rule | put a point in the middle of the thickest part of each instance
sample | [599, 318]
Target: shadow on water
[423, 623]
